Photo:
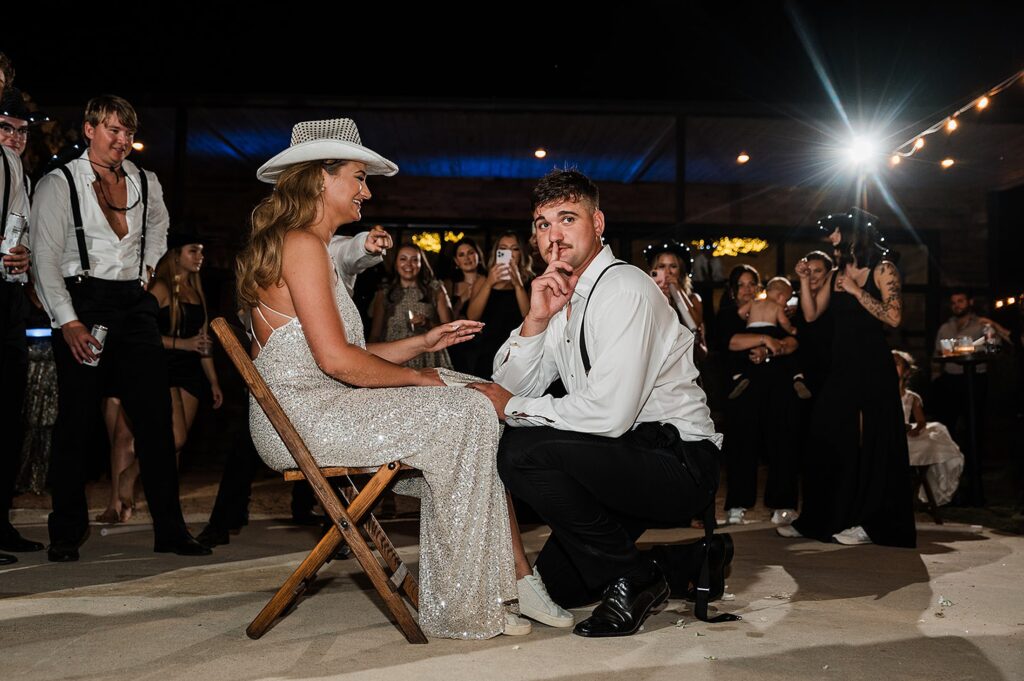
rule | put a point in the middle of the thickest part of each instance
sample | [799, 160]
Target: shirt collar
[586, 282]
[82, 166]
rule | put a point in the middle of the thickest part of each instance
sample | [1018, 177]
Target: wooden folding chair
[349, 510]
[919, 481]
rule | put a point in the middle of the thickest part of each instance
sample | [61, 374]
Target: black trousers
[133, 367]
[13, 382]
[600, 494]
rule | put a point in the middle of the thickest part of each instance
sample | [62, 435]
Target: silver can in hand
[99, 332]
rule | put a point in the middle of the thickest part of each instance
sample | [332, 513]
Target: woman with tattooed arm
[858, 472]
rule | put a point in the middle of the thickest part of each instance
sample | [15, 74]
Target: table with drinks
[969, 354]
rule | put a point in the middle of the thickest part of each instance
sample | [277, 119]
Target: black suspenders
[76, 215]
[583, 328]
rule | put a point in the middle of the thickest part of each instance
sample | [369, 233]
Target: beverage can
[99, 332]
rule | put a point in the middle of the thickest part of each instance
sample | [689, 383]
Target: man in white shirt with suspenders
[630, 447]
[99, 227]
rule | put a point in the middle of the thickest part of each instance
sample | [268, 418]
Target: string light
[453, 237]
[428, 241]
[1011, 301]
[895, 160]
[999, 304]
[743, 157]
[540, 153]
[947, 163]
[950, 123]
[138, 146]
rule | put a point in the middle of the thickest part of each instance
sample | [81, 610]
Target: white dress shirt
[55, 248]
[18, 201]
[350, 257]
[641, 361]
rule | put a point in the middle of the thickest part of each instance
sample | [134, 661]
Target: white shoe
[535, 603]
[788, 531]
[784, 516]
[852, 536]
[516, 626]
[735, 516]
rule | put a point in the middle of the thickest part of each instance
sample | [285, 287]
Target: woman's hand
[198, 343]
[517, 279]
[803, 269]
[498, 274]
[846, 280]
[218, 396]
[774, 346]
[418, 319]
[446, 335]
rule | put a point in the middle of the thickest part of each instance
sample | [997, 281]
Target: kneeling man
[630, 447]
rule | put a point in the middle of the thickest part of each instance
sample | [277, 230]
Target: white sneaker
[852, 536]
[735, 516]
[788, 531]
[535, 603]
[516, 626]
[784, 516]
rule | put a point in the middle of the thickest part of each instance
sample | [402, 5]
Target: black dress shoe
[626, 604]
[213, 536]
[7, 559]
[62, 553]
[11, 540]
[185, 546]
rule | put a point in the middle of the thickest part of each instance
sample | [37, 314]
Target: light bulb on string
[743, 157]
[982, 103]
[918, 144]
[947, 163]
[895, 160]
[951, 125]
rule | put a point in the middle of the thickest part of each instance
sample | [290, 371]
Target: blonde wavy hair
[167, 272]
[292, 205]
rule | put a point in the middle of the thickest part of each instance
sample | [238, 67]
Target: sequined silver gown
[450, 433]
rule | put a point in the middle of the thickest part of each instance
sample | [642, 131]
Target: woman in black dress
[858, 474]
[762, 411]
[182, 319]
[500, 300]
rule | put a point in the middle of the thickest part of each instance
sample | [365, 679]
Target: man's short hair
[961, 291]
[822, 256]
[8, 68]
[101, 108]
[778, 283]
[565, 185]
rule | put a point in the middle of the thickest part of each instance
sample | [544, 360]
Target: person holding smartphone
[501, 300]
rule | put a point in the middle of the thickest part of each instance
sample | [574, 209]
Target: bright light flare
[138, 146]
[919, 144]
[952, 125]
[895, 160]
[743, 157]
[862, 151]
[982, 103]
[540, 153]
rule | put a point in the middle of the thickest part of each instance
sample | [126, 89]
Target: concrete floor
[952, 609]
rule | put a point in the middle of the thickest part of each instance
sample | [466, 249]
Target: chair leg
[387, 590]
[296, 583]
[933, 508]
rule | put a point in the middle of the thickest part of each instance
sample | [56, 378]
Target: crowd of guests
[597, 368]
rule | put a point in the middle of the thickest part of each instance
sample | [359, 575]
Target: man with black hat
[13, 312]
[99, 227]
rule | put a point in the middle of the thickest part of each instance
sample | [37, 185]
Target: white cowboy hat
[333, 139]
